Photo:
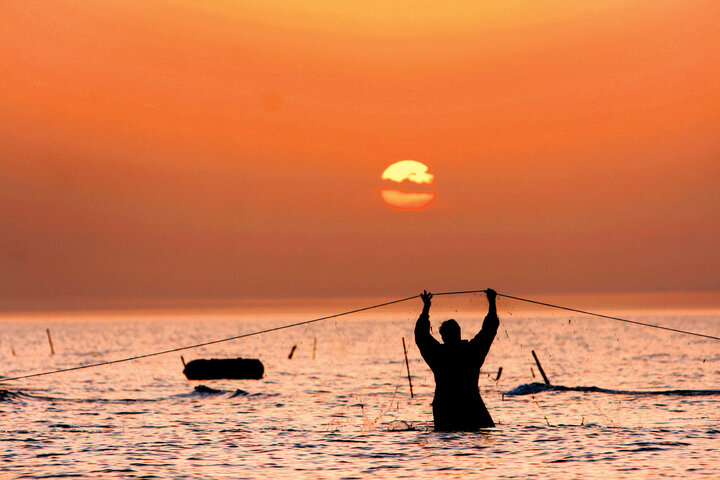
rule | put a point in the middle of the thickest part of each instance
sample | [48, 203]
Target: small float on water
[224, 368]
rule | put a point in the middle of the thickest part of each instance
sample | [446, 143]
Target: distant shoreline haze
[601, 302]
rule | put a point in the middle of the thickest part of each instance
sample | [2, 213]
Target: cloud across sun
[408, 171]
[415, 177]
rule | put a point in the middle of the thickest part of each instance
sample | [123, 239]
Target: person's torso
[456, 369]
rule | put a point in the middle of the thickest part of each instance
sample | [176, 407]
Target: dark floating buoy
[224, 368]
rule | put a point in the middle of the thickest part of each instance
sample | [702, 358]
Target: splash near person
[456, 363]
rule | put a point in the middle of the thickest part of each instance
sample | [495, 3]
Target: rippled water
[347, 413]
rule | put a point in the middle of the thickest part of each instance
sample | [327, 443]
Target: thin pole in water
[314, 346]
[542, 372]
[52, 350]
[407, 365]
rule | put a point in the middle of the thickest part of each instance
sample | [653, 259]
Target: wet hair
[450, 331]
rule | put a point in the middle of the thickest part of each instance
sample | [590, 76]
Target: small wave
[536, 387]
[400, 426]
[9, 396]
[205, 390]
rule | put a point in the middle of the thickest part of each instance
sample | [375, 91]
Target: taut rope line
[349, 312]
[212, 342]
[611, 318]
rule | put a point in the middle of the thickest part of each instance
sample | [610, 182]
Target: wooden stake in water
[314, 346]
[542, 372]
[407, 365]
[292, 352]
[52, 349]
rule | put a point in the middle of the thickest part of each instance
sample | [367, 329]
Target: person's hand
[491, 294]
[426, 296]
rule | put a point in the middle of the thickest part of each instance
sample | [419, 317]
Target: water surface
[646, 406]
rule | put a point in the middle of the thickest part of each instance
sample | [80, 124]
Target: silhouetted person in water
[456, 365]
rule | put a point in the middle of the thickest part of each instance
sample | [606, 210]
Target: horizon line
[701, 299]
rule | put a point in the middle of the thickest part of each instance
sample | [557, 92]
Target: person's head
[450, 331]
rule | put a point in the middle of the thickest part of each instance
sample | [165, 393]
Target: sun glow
[404, 200]
[409, 173]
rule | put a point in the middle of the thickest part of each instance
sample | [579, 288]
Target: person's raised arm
[423, 322]
[486, 335]
[424, 340]
[492, 307]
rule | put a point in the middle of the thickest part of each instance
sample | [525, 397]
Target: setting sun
[408, 173]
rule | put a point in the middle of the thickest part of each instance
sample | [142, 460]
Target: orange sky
[199, 149]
